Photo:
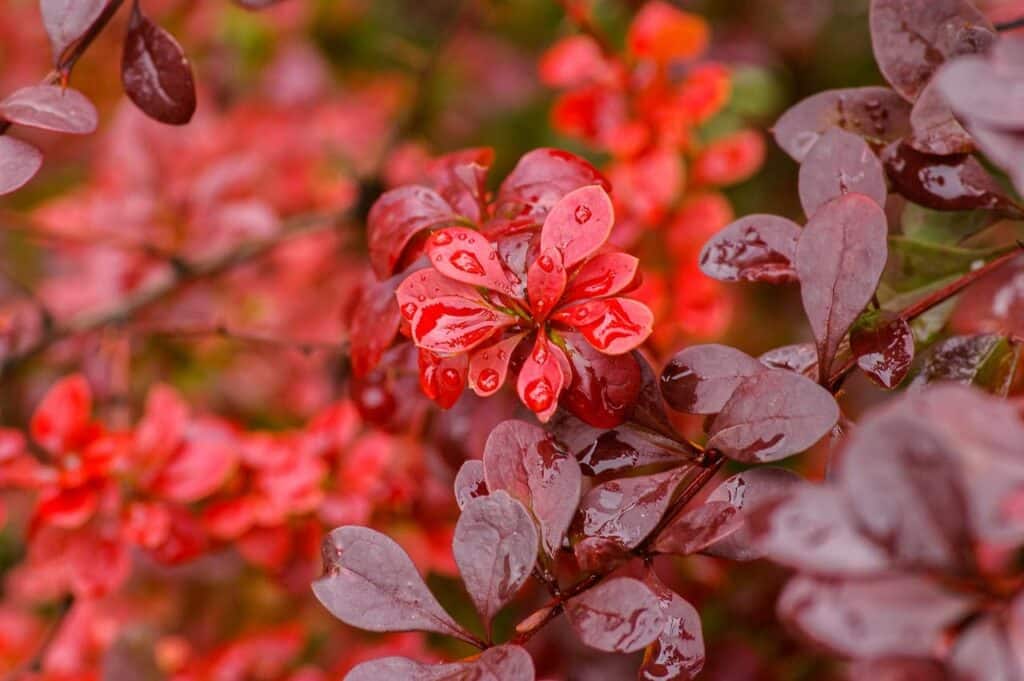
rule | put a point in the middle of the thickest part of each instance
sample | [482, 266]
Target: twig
[35, 663]
[1010, 25]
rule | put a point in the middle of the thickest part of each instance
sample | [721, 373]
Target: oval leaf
[156, 73]
[840, 163]
[884, 347]
[626, 510]
[19, 162]
[500, 663]
[620, 615]
[67, 20]
[698, 528]
[754, 248]
[578, 225]
[746, 492]
[702, 378]
[50, 107]
[678, 653]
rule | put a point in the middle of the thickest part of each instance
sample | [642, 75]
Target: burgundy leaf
[773, 415]
[156, 73]
[374, 324]
[523, 460]
[702, 378]
[983, 91]
[371, 583]
[19, 162]
[983, 359]
[746, 492]
[883, 344]
[442, 379]
[398, 216]
[699, 528]
[1005, 149]
[871, 618]
[754, 248]
[540, 179]
[995, 304]
[460, 177]
[876, 113]
[67, 20]
[956, 182]
[898, 669]
[614, 452]
[50, 107]
[495, 547]
[604, 388]
[500, 663]
[936, 129]
[469, 482]
[801, 358]
[678, 653]
[620, 615]
[813, 529]
[911, 39]
[840, 163]
[840, 258]
[985, 653]
[627, 509]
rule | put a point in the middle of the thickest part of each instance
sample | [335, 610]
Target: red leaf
[605, 388]
[469, 482]
[448, 325]
[398, 216]
[539, 180]
[495, 547]
[606, 274]
[620, 615]
[875, 113]
[443, 379]
[662, 32]
[50, 107]
[746, 492]
[460, 178]
[196, 470]
[612, 325]
[424, 285]
[628, 509]
[702, 378]
[68, 508]
[678, 653]
[371, 583]
[466, 255]
[884, 348]
[754, 248]
[500, 663]
[545, 283]
[544, 376]
[840, 258]
[156, 73]
[573, 61]
[912, 39]
[374, 324]
[994, 304]
[578, 225]
[840, 163]
[62, 421]
[730, 159]
[67, 20]
[19, 162]
[488, 366]
[773, 415]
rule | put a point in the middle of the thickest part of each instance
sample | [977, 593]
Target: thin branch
[224, 332]
[34, 664]
[1010, 25]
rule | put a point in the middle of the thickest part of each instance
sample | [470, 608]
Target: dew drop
[466, 262]
[408, 310]
[442, 238]
[582, 214]
[539, 395]
[488, 379]
[546, 263]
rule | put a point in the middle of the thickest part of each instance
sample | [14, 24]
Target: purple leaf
[875, 113]
[912, 38]
[840, 258]
[702, 378]
[983, 359]
[995, 304]
[936, 129]
[771, 416]
[397, 217]
[754, 248]
[801, 358]
[983, 92]
[526, 462]
[614, 452]
[67, 20]
[840, 163]
[19, 162]
[871, 618]
[495, 547]
[469, 482]
[369, 582]
[50, 107]
[156, 73]
[813, 529]
[500, 663]
[621, 615]
[746, 492]
[699, 528]
[883, 344]
[1005, 149]
[626, 510]
[985, 652]
[678, 653]
[898, 669]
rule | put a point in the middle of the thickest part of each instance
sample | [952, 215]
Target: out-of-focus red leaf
[62, 421]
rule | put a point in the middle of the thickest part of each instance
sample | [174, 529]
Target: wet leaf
[371, 583]
[840, 163]
[678, 653]
[612, 325]
[702, 378]
[495, 547]
[397, 217]
[614, 452]
[983, 91]
[801, 358]
[578, 225]
[754, 248]
[773, 415]
[488, 366]
[620, 615]
[984, 360]
[50, 107]
[540, 179]
[883, 344]
[500, 663]
[746, 492]
[840, 258]
[156, 73]
[698, 528]
[543, 377]
[936, 128]
[875, 113]
[67, 20]
[603, 275]
[626, 510]
[466, 255]
[469, 482]
[605, 388]
[19, 162]
[994, 304]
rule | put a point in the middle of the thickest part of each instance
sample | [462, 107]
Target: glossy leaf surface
[50, 107]
[620, 615]
[754, 248]
[500, 663]
[840, 163]
[702, 378]
[156, 73]
[884, 347]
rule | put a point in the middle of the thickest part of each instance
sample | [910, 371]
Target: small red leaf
[621, 615]
[19, 162]
[702, 378]
[156, 73]
[443, 379]
[50, 107]
[884, 347]
[606, 274]
[578, 225]
[840, 163]
[466, 255]
[544, 376]
[61, 422]
[545, 283]
[612, 325]
[398, 216]
[488, 366]
[449, 325]
[754, 248]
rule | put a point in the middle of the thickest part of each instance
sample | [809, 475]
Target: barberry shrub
[484, 427]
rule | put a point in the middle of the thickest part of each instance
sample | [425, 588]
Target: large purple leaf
[899, 616]
[67, 20]
[495, 547]
[840, 259]
[754, 248]
[702, 378]
[371, 583]
[813, 529]
[50, 107]
[523, 460]
[540, 179]
[678, 653]
[397, 217]
[19, 162]
[883, 344]
[876, 113]
[898, 669]
[699, 528]
[840, 163]
[156, 73]
[747, 492]
[621, 615]
[625, 511]
[773, 415]
[500, 663]
[469, 482]
[912, 38]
